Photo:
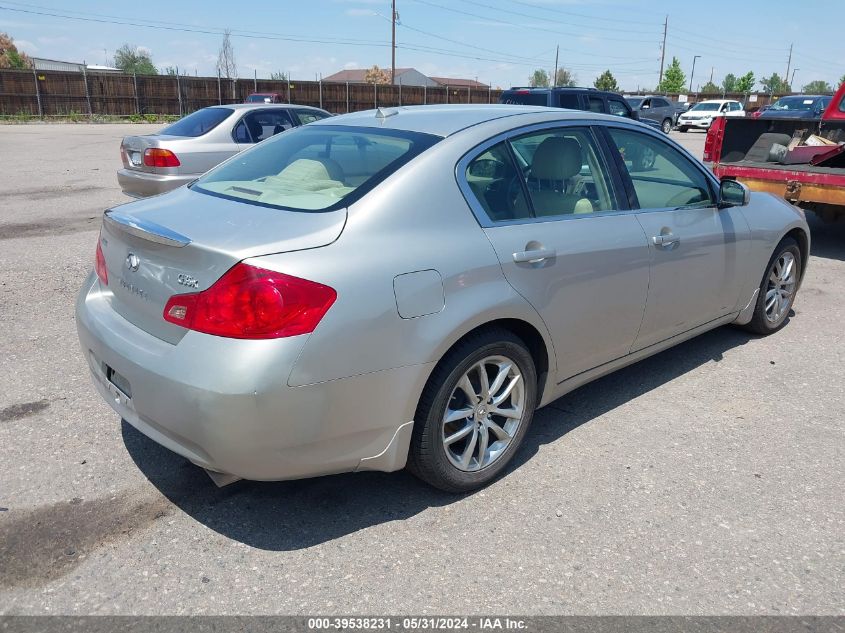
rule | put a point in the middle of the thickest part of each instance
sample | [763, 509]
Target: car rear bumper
[225, 404]
[140, 184]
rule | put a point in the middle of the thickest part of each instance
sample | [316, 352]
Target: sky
[499, 42]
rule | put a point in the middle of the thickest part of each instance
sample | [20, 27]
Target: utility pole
[663, 49]
[554, 77]
[788, 63]
[692, 74]
[712, 68]
[792, 79]
[393, 49]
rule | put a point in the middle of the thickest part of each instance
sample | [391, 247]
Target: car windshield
[199, 123]
[314, 168]
[706, 107]
[634, 103]
[793, 104]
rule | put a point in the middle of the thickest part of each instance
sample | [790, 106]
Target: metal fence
[56, 93]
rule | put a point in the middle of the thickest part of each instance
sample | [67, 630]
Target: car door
[697, 249]
[647, 110]
[548, 204]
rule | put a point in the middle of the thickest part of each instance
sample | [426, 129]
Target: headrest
[305, 169]
[557, 158]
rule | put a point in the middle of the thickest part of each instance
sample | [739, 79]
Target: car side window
[309, 116]
[568, 100]
[736, 106]
[497, 185]
[263, 124]
[616, 107]
[240, 133]
[660, 103]
[595, 104]
[563, 172]
[661, 175]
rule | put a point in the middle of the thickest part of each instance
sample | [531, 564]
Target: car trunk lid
[185, 241]
[132, 150]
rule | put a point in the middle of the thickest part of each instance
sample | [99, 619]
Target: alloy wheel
[483, 413]
[780, 288]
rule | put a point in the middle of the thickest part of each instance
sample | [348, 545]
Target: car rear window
[706, 107]
[199, 123]
[317, 168]
[525, 98]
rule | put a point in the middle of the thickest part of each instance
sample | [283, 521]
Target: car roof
[254, 106]
[445, 120]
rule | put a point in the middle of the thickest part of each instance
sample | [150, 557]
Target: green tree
[565, 78]
[10, 56]
[775, 84]
[729, 83]
[710, 88]
[539, 79]
[674, 79]
[842, 80]
[278, 76]
[606, 81]
[746, 82]
[134, 60]
[170, 70]
[817, 87]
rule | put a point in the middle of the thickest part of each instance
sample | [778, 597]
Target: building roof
[357, 75]
[459, 83]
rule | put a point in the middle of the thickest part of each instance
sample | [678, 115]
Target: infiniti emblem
[132, 262]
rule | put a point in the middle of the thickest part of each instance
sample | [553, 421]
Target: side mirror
[733, 194]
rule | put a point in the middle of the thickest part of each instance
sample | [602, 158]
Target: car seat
[552, 178]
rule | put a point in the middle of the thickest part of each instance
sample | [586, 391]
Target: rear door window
[199, 123]
[262, 124]
[568, 100]
[527, 97]
[595, 104]
[563, 172]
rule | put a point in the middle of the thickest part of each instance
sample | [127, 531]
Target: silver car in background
[181, 152]
[405, 287]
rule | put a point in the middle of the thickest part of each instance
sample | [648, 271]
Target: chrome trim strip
[145, 229]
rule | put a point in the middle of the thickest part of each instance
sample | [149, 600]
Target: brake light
[100, 264]
[713, 141]
[522, 92]
[158, 157]
[252, 303]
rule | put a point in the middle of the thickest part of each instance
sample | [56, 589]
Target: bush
[151, 118]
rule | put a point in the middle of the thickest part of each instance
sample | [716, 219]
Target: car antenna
[381, 114]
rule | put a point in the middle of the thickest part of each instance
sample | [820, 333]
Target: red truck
[772, 155]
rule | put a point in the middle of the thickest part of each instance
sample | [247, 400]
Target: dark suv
[588, 99]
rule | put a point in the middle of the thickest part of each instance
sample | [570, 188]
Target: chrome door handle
[534, 256]
[666, 240]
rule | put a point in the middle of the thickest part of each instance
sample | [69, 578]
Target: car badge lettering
[186, 280]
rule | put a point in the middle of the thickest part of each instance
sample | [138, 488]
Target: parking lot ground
[705, 480]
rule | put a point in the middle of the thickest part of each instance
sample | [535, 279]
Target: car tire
[682, 129]
[666, 126]
[777, 289]
[459, 466]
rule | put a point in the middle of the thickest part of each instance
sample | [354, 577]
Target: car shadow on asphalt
[292, 515]
[828, 240]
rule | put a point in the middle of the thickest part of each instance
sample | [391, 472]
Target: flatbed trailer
[741, 149]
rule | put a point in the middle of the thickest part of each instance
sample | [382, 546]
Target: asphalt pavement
[705, 480]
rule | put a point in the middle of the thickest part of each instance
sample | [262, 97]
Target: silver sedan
[183, 151]
[403, 288]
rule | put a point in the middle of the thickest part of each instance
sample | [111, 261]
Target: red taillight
[712, 143]
[253, 303]
[100, 264]
[157, 157]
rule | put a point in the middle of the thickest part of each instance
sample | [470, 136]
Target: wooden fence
[52, 93]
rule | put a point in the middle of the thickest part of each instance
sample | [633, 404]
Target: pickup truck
[754, 152]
